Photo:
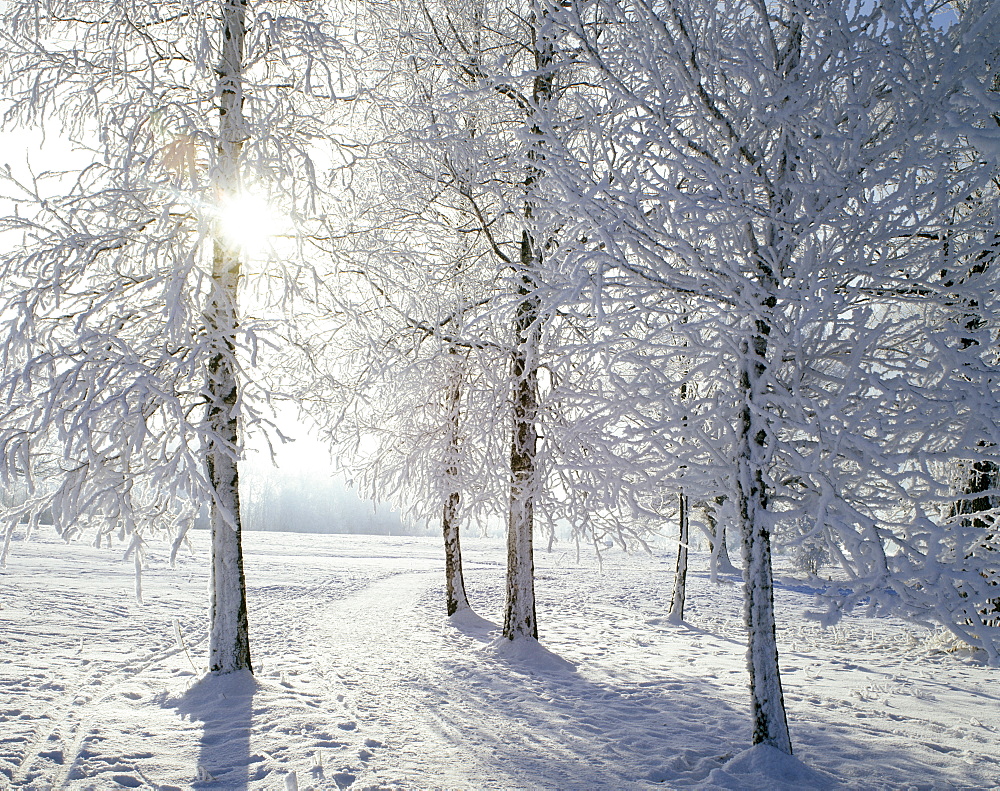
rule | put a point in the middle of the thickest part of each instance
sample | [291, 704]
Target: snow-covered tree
[778, 168]
[447, 209]
[397, 351]
[127, 355]
[503, 55]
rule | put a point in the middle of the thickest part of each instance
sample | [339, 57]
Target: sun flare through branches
[248, 223]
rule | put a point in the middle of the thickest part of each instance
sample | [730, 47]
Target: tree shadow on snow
[529, 656]
[225, 705]
[873, 753]
[474, 626]
[688, 628]
[541, 718]
[520, 655]
[545, 720]
[518, 715]
[541, 721]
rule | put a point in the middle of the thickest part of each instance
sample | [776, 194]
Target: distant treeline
[313, 504]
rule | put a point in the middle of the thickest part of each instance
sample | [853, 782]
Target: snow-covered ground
[363, 683]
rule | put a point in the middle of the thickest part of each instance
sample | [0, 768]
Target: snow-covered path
[499, 717]
[363, 683]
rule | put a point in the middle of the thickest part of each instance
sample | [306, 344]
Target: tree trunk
[229, 643]
[456, 597]
[770, 261]
[770, 725]
[719, 561]
[676, 613]
[519, 614]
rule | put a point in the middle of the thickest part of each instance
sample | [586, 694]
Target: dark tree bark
[979, 494]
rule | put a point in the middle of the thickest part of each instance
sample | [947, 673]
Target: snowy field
[363, 683]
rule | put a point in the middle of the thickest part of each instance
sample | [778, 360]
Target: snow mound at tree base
[763, 766]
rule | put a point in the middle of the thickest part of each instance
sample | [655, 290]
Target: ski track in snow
[362, 683]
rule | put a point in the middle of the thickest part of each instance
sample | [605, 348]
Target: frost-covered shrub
[809, 557]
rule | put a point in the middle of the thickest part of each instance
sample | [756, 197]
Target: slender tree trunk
[719, 561]
[770, 725]
[519, 613]
[229, 643]
[457, 599]
[676, 612]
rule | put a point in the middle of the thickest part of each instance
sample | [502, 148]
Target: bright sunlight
[249, 223]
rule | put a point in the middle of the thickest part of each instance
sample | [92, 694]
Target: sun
[248, 223]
